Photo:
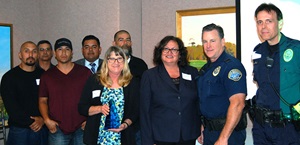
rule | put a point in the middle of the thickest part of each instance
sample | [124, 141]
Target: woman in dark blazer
[169, 103]
[114, 75]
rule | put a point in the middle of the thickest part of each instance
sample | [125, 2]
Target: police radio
[269, 62]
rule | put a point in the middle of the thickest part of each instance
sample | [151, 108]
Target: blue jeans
[25, 136]
[59, 138]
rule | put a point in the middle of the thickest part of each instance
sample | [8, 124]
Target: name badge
[96, 93]
[37, 81]
[255, 55]
[186, 76]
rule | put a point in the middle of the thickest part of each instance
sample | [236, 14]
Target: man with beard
[19, 91]
[91, 51]
[136, 65]
[45, 53]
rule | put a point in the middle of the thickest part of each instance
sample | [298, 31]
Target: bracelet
[126, 123]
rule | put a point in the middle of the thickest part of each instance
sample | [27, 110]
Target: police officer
[277, 73]
[222, 91]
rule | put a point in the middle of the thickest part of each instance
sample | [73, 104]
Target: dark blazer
[93, 122]
[137, 66]
[82, 62]
[168, 114]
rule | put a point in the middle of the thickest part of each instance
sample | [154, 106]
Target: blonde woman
[110, 92]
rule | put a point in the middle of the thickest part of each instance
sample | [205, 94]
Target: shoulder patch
[235, 75]
[288, 55]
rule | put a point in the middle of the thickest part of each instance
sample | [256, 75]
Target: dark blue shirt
[217, 82]
[281, 78]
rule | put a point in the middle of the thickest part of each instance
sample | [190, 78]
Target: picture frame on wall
[5, 48]
[189, 24]
[6, 51]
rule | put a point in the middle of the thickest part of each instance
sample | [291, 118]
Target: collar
[220, 59]
[282, 39]
[87, 63]
[129, 58]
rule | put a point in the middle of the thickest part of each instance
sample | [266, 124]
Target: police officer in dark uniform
[222, 91]
[277, 73]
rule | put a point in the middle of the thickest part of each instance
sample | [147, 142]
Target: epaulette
[257, 46]
[227, 60]
[203, 70]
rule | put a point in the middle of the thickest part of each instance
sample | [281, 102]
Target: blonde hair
[124, 78]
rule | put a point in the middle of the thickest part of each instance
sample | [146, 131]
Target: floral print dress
[115, 95]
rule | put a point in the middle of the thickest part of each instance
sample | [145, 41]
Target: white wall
[158, 20]
[75, 19]
[147, 21]
[131, 20]
[24, 15]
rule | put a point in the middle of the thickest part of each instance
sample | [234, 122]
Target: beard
[127, 49]
[30, 61]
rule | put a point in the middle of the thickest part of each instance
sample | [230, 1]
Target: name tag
[37, 81]
[255, 55]
[96, 93]
[186, 76]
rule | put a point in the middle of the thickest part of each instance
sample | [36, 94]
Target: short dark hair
[183, 61]
[120, 31]
[213, 26]
[90, 37]
[269, 7]
[43, 42]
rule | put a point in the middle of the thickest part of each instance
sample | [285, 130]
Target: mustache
[30, 58]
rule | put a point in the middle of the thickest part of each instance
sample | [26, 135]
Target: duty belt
[218, 124]
[214, 124]
[275, 118]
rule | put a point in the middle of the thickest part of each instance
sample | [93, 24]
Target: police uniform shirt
[220, 80]
[283, 74]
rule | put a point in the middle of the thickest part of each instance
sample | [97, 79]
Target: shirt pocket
[256, 69]
[215, 87]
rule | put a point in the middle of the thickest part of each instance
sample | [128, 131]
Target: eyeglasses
[113, 60]
[173, 51]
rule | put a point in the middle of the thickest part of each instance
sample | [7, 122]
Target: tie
[93, 69]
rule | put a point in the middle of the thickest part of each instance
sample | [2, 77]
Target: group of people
[118, 100]
[47, 104]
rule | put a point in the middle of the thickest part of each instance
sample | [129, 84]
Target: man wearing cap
[91, 51]
[59, 94]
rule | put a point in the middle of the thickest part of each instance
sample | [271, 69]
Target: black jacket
[131, 110]
[137, 66]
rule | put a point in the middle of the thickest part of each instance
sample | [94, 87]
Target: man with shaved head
[19, 91]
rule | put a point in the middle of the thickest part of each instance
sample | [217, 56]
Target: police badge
[216, 71]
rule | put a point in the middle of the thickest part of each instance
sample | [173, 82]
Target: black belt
[219, 123]
[214, 124]
[274, 118]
